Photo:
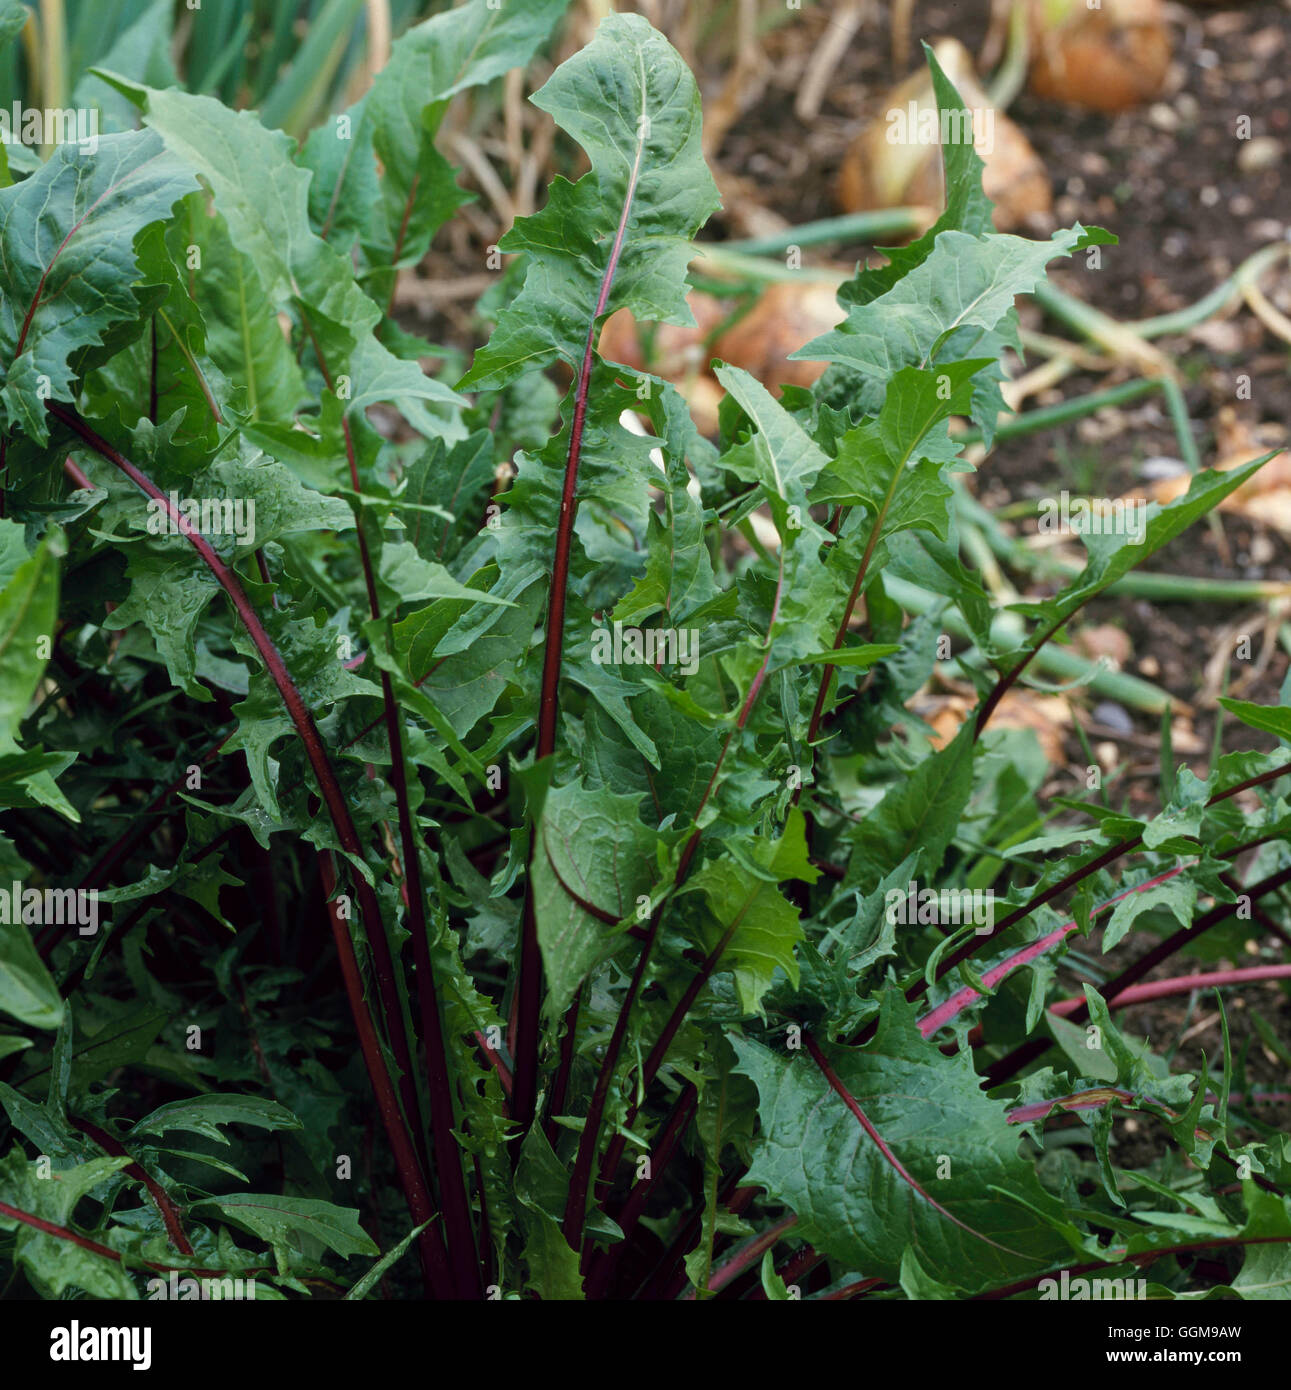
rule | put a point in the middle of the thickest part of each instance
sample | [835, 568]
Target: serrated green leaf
[920, 812]
[28, 613]
[27, 990]
[1271, 719]
[942, 308]
[362, 1287]
[1114, 554]
[66, 247]
[277, 1219]
[756, 928]
[264, 199]
[206, 1114]
[852, 1200]
[648, 176]
[593, 852]
[397, 120]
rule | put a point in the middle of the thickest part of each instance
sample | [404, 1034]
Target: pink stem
[953, 1006]
[745, 1256]
[1181, 984]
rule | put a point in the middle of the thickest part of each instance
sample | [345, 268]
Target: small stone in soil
[1260, 153]
[1113, 716]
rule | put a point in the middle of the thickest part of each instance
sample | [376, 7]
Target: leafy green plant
[291, 61]
[606, 786]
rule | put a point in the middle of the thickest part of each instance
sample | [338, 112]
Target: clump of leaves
[587, 811]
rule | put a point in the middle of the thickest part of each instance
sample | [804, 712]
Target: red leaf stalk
[397, 1125]
[529, 985]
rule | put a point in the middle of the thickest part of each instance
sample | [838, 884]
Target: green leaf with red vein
[929, 1180]
[395, 217]
[279, 1220]
[593, 858]
[68, 265]
[632, 104]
